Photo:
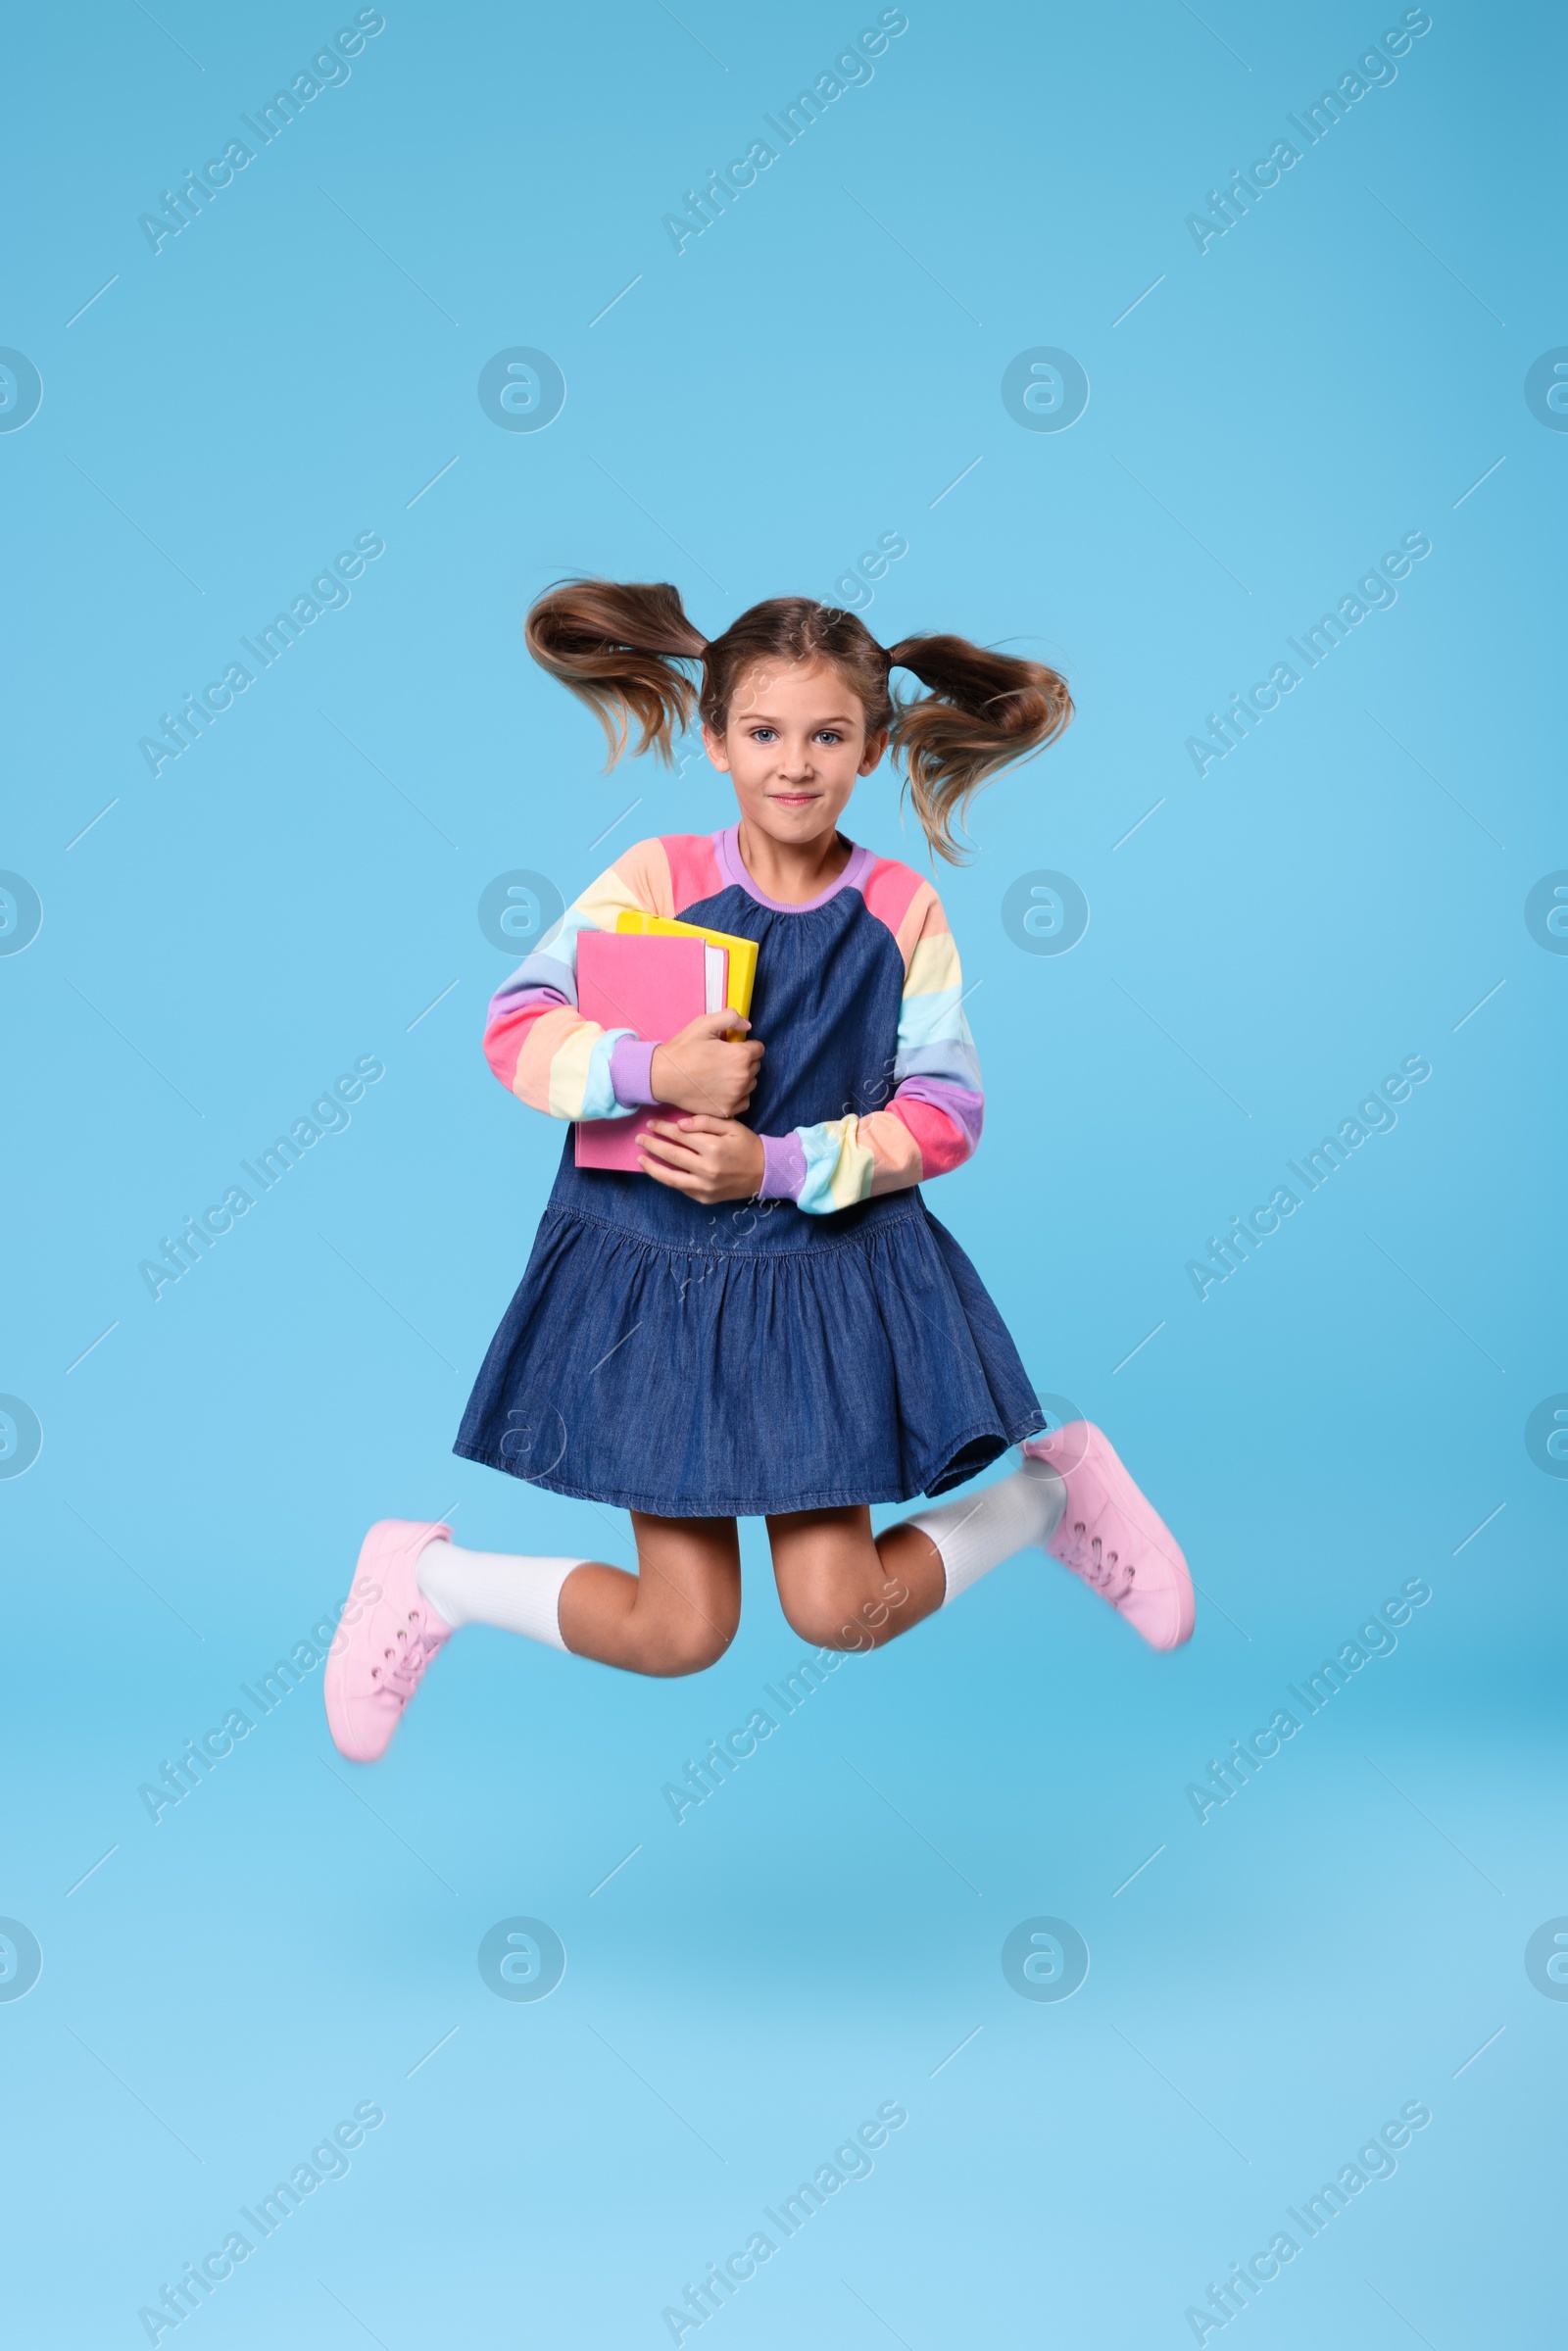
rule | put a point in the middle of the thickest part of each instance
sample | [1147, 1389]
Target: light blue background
[294, 1938]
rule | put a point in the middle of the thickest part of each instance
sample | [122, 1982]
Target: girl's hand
[710, 1160]
[698, 1071]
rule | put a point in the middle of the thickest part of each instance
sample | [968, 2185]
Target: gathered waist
[681, 1226]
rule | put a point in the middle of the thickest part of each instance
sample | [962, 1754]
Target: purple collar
[726, 848]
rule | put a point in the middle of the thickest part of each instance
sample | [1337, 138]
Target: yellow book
[742, 952]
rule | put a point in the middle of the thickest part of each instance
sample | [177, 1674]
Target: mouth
[793, 799]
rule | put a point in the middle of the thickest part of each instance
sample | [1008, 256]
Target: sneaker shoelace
[403, 1665]
[1102, 1569]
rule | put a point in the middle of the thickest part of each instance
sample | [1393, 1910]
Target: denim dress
[787, 1352]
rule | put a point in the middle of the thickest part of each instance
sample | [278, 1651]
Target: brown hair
[628, 652]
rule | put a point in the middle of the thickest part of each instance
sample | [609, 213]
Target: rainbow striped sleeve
[536, 1040]
[933, 1120]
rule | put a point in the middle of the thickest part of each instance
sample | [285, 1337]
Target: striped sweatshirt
[925, 1112]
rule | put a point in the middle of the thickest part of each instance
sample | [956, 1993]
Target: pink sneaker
[386, 1636]
[1116, 1540]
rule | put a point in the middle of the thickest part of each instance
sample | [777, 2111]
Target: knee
[846, 1607]
[685, 1647]
[827, 1618]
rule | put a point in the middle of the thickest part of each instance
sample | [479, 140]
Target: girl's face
[795, 744]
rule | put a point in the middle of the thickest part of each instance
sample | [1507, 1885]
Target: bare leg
[675, 1616]
[843, 1588]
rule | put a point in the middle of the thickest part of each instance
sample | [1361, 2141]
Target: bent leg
[675, 1616]
[843, 1588]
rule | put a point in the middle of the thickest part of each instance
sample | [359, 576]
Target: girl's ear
[714, 747]
[871, 756]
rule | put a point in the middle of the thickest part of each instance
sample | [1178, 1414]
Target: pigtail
[617, 647]
[984, 710]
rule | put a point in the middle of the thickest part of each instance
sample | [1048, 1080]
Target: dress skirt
[743, 1362]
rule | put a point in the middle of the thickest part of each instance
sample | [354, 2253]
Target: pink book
[631, 980]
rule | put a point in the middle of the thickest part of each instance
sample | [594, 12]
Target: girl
[826, 1344]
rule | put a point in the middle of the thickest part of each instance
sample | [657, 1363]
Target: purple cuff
[631, 1064]
[783, 1167]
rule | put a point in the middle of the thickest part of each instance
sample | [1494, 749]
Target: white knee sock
[487, 1587]
[976, 1532]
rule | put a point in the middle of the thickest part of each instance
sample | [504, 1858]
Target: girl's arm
[536, 1040]
[933, 1120]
